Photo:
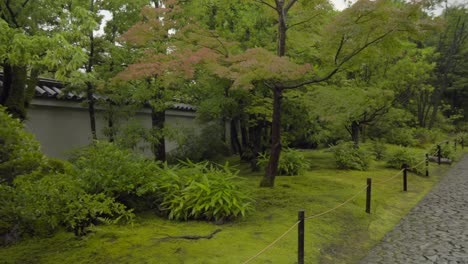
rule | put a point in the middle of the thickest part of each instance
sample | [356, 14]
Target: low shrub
[402, 155]
[38, 205]
[400, 136]
[104, 167]
[347, 156]
[378, 149]
[200, 191]
[427, 136]
[446, 150]
[291, 162]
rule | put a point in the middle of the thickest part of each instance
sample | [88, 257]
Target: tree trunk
[89, 85]
[91, 109]
[235, 144]
[272, 168]
[15, 90]
[355, 133]
[157, 120]
[5, 90]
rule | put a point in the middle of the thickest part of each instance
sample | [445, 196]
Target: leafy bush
[347, 156]
[291, 162]
[19, 150]
[426, 136]
[446, 150]
[200, 191]
[379, 150]
[397, 158]
[400, 136]
[38, 205]
[104, 167]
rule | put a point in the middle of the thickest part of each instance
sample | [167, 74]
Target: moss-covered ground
[342, 236]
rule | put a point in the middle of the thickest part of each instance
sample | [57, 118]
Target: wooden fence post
[439, 154]
[405, 177]
[427, 164]
[300, 238]
[368, 195]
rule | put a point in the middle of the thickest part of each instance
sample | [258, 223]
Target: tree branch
[339, 49]
[290, 4]
[265, 3]
[302, 22]
[335, 70]
[12, 14]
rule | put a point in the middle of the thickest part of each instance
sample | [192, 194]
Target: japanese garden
[212, 131]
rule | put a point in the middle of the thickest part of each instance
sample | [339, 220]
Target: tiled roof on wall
[50, 88]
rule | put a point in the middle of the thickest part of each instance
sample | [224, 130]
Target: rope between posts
[391, 178]
[272, 243]
[417, 165]
[338, 206]
[327, 211]
[307, 218]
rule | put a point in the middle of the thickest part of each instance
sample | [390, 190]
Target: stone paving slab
[435, 230]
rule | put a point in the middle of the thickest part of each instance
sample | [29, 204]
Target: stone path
[435, 230]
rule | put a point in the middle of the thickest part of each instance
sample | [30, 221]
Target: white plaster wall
[61, 126]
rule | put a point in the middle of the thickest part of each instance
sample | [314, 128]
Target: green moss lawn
[342, 236]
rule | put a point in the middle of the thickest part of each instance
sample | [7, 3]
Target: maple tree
[350, 33]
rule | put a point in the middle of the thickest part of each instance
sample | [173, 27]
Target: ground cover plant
[342, 236]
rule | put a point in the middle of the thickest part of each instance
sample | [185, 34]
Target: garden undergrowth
[342, 236]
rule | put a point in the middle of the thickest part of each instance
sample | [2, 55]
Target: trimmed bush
[347, 156]
[446, 150]
[404, 155]
[400, 136]
[104, 167]
[291, 162]
[378, 149]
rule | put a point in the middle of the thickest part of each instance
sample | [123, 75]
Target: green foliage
[19, 150]
[427, 136]
[87, 209]
[400, 136]
[39, 204]
[402, 155]
[292, 162]
[378, 149]
[446, 150]
[104, 167]
[201, 191]
[347, 156]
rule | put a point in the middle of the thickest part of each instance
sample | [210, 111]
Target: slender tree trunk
[355, 127]
[91, 109]
[157, 120]
[272, 168]
[245, 140]
[5, 92]
[89, 85]
[235, 144]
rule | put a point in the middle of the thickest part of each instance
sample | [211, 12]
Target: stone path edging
[435, 230]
